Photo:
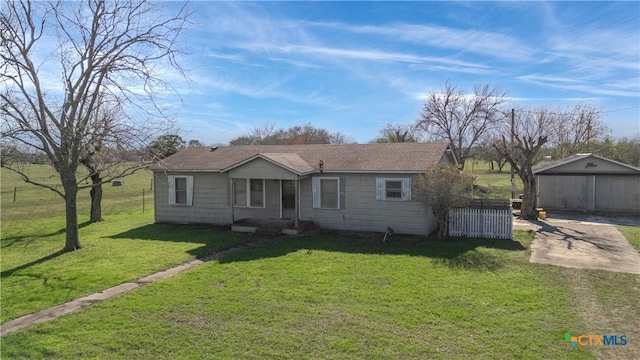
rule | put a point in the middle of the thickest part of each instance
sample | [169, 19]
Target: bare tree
[340, 138]
[104, 48]
[442, 189]
[398, 133]
[532, 129]
[582, 126]
[113, 147]
[256, 135]
[462, 119]
[487, 152]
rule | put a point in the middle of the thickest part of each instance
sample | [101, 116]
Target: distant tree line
[296, 135]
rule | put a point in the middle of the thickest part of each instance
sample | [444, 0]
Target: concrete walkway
[577, 242]
[77, 304]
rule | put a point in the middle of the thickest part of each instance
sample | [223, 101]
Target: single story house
[345, 187]
[588, 182]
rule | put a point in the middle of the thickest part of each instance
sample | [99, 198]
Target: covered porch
[266, 192]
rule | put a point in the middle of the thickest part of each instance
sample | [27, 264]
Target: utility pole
[588, 133]
[513, 182]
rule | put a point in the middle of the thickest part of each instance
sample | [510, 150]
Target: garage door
[562, 192]
[617, 193]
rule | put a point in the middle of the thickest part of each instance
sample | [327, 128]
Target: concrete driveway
[572, 240]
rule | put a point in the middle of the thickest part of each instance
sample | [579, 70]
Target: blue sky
[352, 67]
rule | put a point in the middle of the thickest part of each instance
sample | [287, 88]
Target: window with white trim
[326, 192]
[398, 189]
[248, 192]
[180, 190]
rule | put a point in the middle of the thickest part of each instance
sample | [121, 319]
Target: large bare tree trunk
[72, 241]
[529, 201]
[96, 198]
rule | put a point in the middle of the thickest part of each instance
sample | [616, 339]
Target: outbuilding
[588, 182]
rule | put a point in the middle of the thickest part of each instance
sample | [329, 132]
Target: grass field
[632, 234]
[496, 184]
[36, 274]
[34, 202]
[307, 297]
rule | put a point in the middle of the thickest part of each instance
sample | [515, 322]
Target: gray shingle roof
[576, 157]
[412, 157]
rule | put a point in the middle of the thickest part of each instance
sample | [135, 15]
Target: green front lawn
[332, 297]
[632, 233]
[36, 274]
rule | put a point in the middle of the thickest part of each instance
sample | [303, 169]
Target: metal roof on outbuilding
[586, 164]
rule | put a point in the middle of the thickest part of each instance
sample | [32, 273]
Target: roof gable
[289, 161]
[586, 164]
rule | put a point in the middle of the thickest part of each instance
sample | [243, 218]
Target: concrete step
[268, 232]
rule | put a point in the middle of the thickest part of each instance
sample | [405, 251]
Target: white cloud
[471, 40]
[577, 85]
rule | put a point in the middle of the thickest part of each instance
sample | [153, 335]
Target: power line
[623, 109]
[570, 113]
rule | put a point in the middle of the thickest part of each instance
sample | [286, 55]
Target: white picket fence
[481, 223]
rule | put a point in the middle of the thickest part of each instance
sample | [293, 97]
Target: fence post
[143, 200]
[15, 189]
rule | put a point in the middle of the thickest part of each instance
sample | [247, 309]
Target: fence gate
[491, 219]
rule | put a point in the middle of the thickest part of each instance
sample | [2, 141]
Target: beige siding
[563, 192]
[211, 202]
[261, 169]
[617, 193]
[361, 211]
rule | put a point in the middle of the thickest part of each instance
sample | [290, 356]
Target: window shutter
[315, 188]
[189, 190]
[379, 188]
[406, 189]
[172, 190]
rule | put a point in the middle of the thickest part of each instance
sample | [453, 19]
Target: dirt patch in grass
[607, 304]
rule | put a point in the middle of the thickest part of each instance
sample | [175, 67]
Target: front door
[288, 199]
